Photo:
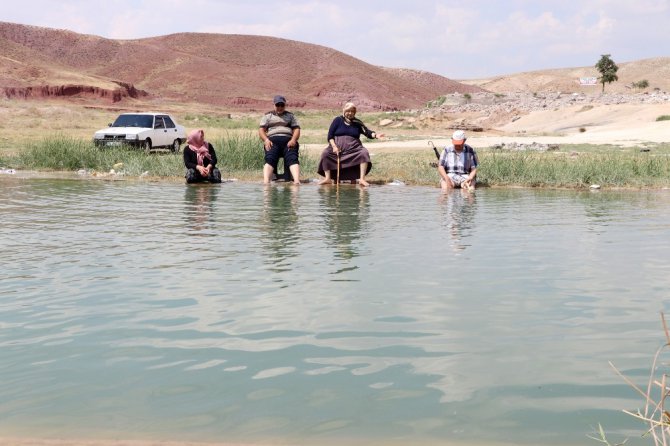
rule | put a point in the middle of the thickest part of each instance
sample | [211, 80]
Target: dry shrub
[654, 413]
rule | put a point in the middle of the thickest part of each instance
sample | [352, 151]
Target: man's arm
[263, 134]
[443, 173]
[295, 134]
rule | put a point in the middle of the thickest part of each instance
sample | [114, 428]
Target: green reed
[241, 155]
[236, 153]
[410, 167]
[552, 169]
[243, 152]
[70, 154]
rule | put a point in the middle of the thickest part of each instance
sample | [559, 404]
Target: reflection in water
[199, 203]
[460, 209]
[279, 223]
[98, 321]
[346, 211]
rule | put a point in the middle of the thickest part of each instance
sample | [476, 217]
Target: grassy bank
[240, 156]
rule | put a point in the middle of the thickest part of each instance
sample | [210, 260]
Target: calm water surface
[391, 315]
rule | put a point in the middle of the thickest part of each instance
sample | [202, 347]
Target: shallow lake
[393, 315]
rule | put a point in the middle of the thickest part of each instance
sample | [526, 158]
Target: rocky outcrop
[54, 91]
[484, 110]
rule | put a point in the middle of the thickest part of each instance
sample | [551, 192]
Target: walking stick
[338, 171]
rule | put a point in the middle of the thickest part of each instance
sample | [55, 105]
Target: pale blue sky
[458, 39]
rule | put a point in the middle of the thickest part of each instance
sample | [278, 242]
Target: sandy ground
[622, 125]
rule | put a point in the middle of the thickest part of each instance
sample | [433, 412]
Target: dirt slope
[218, 69]
[656, 71]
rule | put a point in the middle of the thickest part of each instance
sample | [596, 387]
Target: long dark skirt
[352, 155]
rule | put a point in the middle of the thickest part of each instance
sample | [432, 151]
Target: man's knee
[447, 184]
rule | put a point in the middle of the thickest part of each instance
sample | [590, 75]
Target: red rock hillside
[236, 71]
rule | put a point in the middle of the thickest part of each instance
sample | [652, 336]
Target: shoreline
[67, 175]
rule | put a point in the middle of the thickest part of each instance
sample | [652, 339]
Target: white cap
[458, 137]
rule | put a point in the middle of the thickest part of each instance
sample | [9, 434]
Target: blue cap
[279, 99]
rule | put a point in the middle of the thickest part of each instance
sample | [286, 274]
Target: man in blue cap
[280, 130]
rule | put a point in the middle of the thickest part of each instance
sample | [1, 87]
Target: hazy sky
[457, 39]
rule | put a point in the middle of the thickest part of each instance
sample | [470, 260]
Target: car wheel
[147, 145]
[176, 144]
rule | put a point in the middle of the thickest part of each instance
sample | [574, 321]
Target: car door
[172, 130]
[160, 133]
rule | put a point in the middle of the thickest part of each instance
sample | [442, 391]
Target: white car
[145, 130]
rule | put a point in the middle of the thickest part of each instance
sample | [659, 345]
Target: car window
[144, 121]
[159, 123]
[168, 122]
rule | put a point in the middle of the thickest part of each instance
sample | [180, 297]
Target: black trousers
[193, 176]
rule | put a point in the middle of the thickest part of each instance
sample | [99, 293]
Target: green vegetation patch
[241, 155]
[236, 152]
[551, 169]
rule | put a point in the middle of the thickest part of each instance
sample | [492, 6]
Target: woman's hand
[267, 144]
[336, 150]
[204, 171]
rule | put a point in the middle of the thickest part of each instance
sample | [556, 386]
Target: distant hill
[656, 71]
[234, 71]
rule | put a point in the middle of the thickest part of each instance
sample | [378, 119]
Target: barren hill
[656, 71]
[226, 70]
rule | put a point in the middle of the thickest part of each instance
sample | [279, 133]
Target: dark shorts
[279, 149]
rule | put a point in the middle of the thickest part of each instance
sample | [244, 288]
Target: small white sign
[588, 81]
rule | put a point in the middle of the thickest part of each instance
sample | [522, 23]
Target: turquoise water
[391, 315]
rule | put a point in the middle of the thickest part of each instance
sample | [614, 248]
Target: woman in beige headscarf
[344, 138]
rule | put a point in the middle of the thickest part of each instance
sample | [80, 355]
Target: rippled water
[248, 313]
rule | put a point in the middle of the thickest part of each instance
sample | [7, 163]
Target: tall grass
[66, 153]
[535, 169]
[244, 152]
[411, 168]
[241, 154]
[235, 151]
[608, 169]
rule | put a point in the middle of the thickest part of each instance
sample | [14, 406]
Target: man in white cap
[458, 164]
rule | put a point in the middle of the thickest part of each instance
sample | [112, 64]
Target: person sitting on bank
[458, 164]
[280, 130]
[344, 138]
[200, 159]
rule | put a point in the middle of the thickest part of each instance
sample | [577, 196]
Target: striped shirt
[279, 125]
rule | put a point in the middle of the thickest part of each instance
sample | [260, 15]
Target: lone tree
[607, 69]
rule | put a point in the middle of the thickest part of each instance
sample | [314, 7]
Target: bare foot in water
[325, 181]
[362, 182]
